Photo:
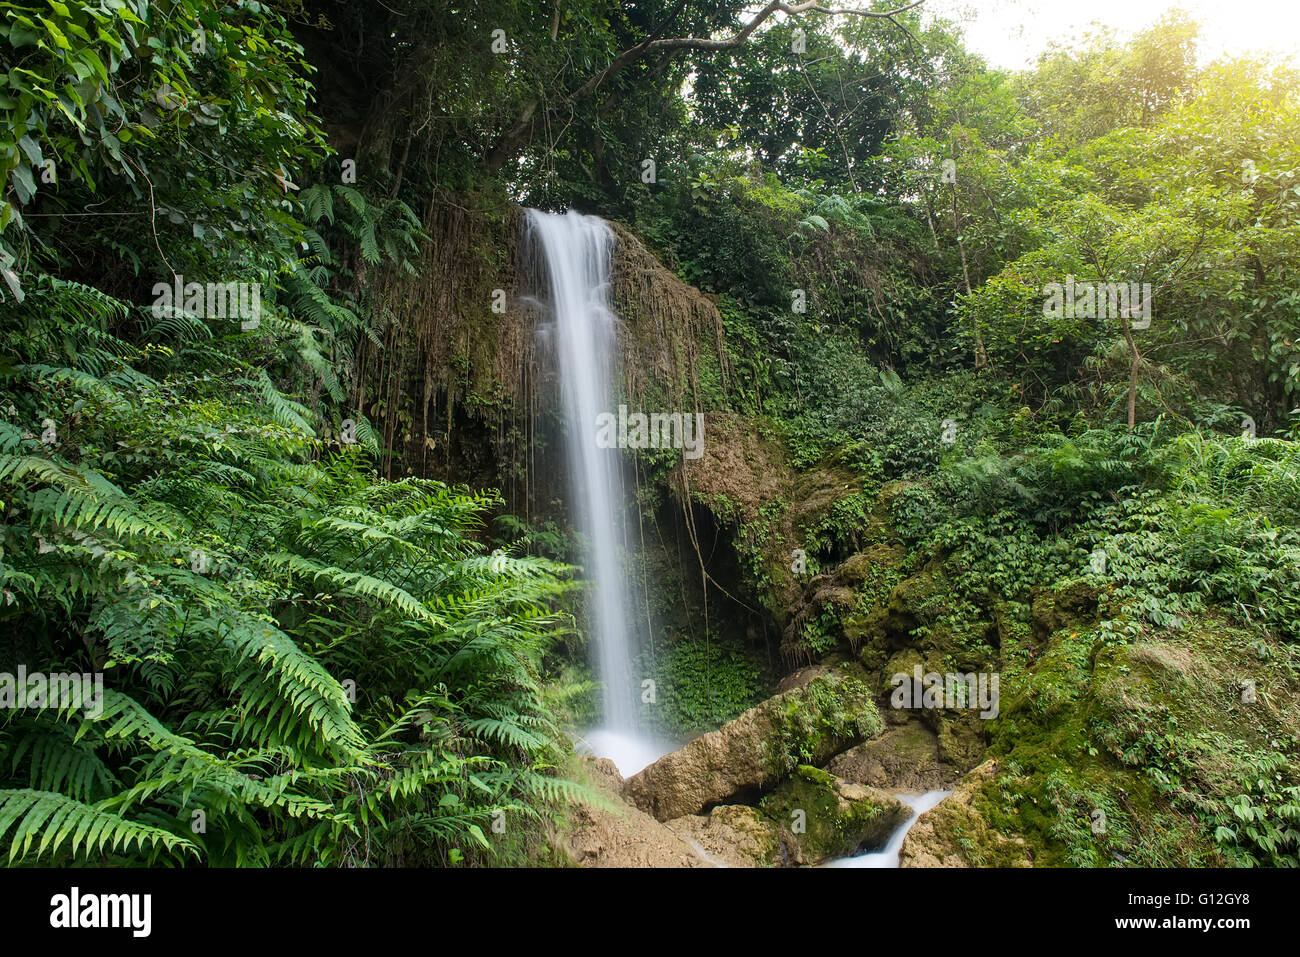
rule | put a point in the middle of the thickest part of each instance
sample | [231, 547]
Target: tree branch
[523, 128]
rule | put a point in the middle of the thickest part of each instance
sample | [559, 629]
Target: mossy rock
[904, 758]
[905, 662]
[959, 832]
[1154, 735]
[887, 626]
[1072, 607]
[805, 725]
[857, 568]
[866, 630]
[820, 816]
[829, 714]
[961, 739]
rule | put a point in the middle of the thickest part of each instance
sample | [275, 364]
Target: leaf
[32, 149]
[477, 833]
[24, 185]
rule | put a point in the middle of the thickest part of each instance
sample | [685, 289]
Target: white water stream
[576, 253]
[888, 855]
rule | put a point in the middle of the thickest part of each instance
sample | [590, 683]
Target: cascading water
[575, 254]
[887, 856]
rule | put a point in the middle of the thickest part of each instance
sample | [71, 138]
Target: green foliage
[325, 665]
[704, 684]
[834, 708]
[301, 662]
[1258, 827]
[128, 101]
[821, 632]
[1196, 196]
[332, 668]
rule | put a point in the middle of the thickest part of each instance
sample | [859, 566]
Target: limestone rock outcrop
[820, 816]
[805, 725]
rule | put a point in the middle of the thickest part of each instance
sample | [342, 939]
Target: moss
[819, 816]
[868, 563]
[829, 714]
[815, 776]
[749, 833]
[961, 739]
[1152, 735]
[1072, 607]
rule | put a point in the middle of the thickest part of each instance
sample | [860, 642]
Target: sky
[1011, 33]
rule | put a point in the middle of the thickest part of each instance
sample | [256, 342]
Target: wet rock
[806, 725]
[904, 758]
[955, 833]
[820, 816]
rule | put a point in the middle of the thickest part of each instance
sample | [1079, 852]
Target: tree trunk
[1132, 375]
[981, 357]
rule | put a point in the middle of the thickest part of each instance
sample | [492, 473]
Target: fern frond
[56, 819]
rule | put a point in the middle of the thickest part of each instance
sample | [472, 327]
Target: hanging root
[436, 344]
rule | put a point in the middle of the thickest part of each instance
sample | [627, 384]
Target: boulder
[904, 758]
[819, 816]
[731, 834]
[806, 725]
[605, 832]
[955, 833]
[798, 679]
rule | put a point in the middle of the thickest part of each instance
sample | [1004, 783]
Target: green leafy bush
[704, 684]
[301, 663]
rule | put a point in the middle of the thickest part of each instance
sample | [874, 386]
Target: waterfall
[573, 254]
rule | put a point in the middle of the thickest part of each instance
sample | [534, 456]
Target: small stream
[888, 855]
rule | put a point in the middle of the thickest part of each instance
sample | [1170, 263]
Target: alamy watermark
[658, 430]
[59, 691]
[1098, 300]
[128, 911]
[952, 691]
[210, 300]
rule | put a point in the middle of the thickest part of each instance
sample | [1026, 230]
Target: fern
[324, 664]
[46, 821]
